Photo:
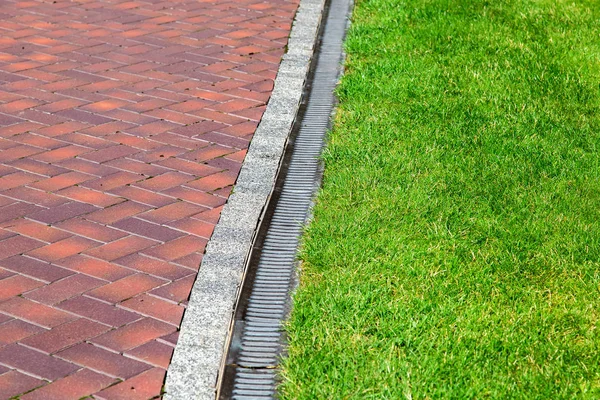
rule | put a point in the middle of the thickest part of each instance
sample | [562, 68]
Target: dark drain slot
[258, 340]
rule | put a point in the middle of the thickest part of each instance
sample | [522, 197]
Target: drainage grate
[258, 340]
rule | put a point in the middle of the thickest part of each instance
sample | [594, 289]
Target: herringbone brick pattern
[123, 125]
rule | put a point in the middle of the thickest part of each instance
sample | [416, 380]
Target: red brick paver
[123, 125]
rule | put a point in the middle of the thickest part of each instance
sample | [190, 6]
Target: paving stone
[36, 313]
[35, 363]
[104, 361]
[98, 311]
[34, 268]
[72, 387]
[38, 231]
[65, 335]
[134, 334]
[153, 352]
[16, 330]
[13, 383]
[64, 289]
[153, 266]
[16, 285]
[126, 288]
[140, 387]
[155, 307]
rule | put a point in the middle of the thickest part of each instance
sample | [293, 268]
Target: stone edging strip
[202, 345]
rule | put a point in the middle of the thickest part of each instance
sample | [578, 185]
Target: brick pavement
[123, 125]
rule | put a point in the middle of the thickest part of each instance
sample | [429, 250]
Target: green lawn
[455, 246]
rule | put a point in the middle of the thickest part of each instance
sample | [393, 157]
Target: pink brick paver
[123, 125]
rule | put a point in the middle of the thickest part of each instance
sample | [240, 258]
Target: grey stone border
[205, 329]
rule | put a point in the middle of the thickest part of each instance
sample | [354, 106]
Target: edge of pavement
[199, 355]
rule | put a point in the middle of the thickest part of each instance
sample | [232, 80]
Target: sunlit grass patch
[454, 251]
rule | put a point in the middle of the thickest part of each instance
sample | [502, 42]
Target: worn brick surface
[123, 126]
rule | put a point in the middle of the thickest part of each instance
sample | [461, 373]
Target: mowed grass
[455, 246]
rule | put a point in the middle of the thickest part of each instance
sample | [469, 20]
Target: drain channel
[257, 340]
